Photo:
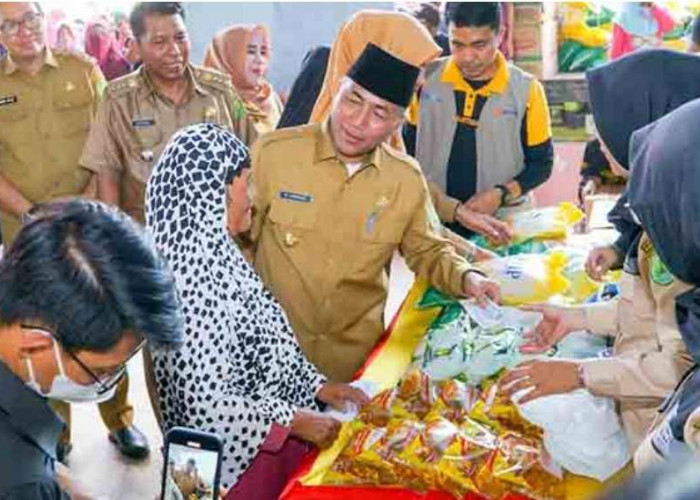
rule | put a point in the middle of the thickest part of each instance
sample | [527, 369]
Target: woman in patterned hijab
[240, 373]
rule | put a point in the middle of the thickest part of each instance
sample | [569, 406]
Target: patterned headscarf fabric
[240, 369]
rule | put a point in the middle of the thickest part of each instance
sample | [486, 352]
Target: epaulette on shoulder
[124, 85]
[74, 56]
[286, 134]
[212, 78]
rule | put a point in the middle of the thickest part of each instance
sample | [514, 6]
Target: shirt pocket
[14, 113]
[292, 221]
[73, 104]
[148, 135]
[382, 225]
[381, 233]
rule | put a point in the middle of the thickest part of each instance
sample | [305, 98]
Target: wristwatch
[505, 194]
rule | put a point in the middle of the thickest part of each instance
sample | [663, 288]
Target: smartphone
[192, 465]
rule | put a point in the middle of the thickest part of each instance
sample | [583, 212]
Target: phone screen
[190, 472]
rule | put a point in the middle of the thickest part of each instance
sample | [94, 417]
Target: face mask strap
[30, 369]
[57, 356]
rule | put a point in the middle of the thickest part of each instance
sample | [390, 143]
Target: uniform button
[290, 240]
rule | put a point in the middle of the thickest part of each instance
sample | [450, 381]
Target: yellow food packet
[459, 470]
[423, 454]
[400, 436]
[416, 395]
[519, 461]
[495, 409]
[378, 411]
[358, 463]
[528, 278]
[454, 399]
[549, 223]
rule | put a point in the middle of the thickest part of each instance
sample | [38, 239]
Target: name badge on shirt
[143, 122]
[302, 198]
[6, 100]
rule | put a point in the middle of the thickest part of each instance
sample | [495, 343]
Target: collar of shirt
[29, 414]
[498, 83]
[326, 151]
[148, 88]
[11, 66]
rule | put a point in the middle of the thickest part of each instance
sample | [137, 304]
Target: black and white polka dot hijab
[241, 368]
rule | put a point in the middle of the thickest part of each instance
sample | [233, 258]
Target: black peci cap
[385, 75]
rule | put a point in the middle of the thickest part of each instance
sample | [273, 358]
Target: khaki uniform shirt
[44, 122]
[134, 124]
[649, 354]
[324, 240]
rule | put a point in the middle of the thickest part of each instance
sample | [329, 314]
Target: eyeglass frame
[110, 381]
[27, 21]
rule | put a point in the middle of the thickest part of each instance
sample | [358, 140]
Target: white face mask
[64, 388]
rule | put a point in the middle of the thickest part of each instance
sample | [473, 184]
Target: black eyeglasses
[106, 383]
[31, 20]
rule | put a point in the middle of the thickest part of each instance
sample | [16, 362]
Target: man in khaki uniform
[333, 203]
[141, 111]
[47, 101]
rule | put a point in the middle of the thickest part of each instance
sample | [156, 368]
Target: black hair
[474, 14]
[429, 14]
[141, 10]
[86, 272]
[232, 173]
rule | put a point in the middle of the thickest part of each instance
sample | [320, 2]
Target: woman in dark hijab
[649, 357]
[306, 88]
[664, 194]
[626, 95]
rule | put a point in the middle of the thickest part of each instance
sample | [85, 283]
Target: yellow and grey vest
[499, 149]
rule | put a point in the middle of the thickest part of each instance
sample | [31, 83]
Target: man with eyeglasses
[81, 291]
[47, 102]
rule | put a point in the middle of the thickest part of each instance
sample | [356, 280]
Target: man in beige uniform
[333, 204]
[47, 101]
[141, 111]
